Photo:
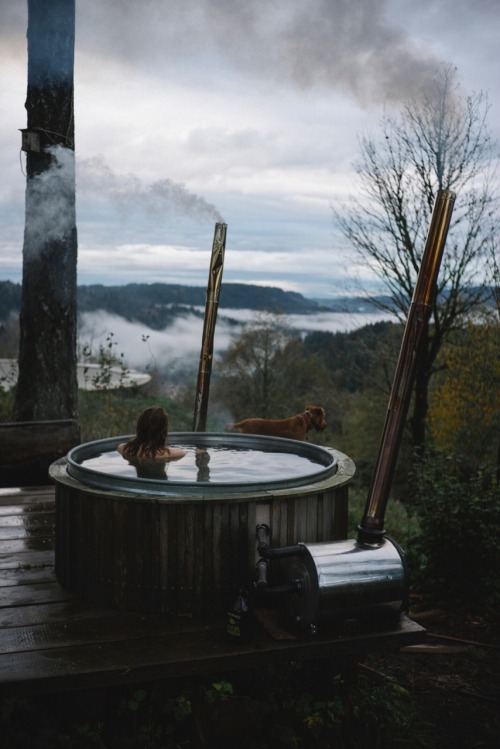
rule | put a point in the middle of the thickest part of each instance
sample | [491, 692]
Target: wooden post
[47, 384]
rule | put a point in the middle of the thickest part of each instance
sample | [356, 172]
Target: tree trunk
[47, 383]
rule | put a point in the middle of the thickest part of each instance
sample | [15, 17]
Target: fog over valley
[176, 348]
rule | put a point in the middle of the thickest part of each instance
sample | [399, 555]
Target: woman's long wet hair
[151, 434]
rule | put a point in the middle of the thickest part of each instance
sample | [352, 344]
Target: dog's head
[317, 417]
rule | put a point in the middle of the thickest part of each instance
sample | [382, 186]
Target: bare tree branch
[438, 142]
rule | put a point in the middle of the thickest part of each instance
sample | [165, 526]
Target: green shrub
[456, 555]
[109, 413]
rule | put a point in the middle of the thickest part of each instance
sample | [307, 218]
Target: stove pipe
[207, 343]
[367, 578]
[371, 528]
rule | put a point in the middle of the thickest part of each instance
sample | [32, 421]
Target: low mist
[170, 351]
[176, 348]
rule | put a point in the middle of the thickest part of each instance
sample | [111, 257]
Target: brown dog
[294, 428]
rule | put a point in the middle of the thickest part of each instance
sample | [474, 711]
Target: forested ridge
[154, 304]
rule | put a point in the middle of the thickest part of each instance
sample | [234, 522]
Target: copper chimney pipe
[371, 528]
[207, 343]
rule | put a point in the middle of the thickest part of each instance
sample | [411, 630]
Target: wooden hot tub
[186, 547]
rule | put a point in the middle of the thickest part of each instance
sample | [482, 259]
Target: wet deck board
[51, 640]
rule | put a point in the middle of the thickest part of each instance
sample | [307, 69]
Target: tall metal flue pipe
[371, 528]
[207, 343]
[366, 578]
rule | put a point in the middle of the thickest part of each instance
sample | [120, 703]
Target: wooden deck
[53, 641]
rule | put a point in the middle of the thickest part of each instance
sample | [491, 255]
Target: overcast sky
[246, 111]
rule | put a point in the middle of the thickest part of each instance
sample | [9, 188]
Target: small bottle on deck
[238, 617]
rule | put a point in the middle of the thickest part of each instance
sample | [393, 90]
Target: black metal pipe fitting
[265, 551]
[262, 586]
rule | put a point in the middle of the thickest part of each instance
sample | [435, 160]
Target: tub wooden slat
[313, 531]
[205, 556]
[185, 554]
[156, 547]
[165, 558]
[189, 553]
[172, 602]
[327, 513]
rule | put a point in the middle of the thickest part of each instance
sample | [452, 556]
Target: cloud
[244, 109]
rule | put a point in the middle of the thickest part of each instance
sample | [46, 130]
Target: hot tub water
[223, 462]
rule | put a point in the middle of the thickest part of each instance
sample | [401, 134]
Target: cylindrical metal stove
[345, 579]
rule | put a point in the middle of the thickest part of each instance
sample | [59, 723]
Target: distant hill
[155, 304]
[235, 295]
[126, 300]
[356, 303]
[158, 304]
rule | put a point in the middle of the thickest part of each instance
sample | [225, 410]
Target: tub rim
[89, 477]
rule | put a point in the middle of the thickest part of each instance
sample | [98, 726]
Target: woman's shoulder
[173, 453]
[166, 453]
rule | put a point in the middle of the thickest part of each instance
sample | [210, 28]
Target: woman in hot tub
[150, 441]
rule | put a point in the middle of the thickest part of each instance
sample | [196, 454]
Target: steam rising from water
[50, 209]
